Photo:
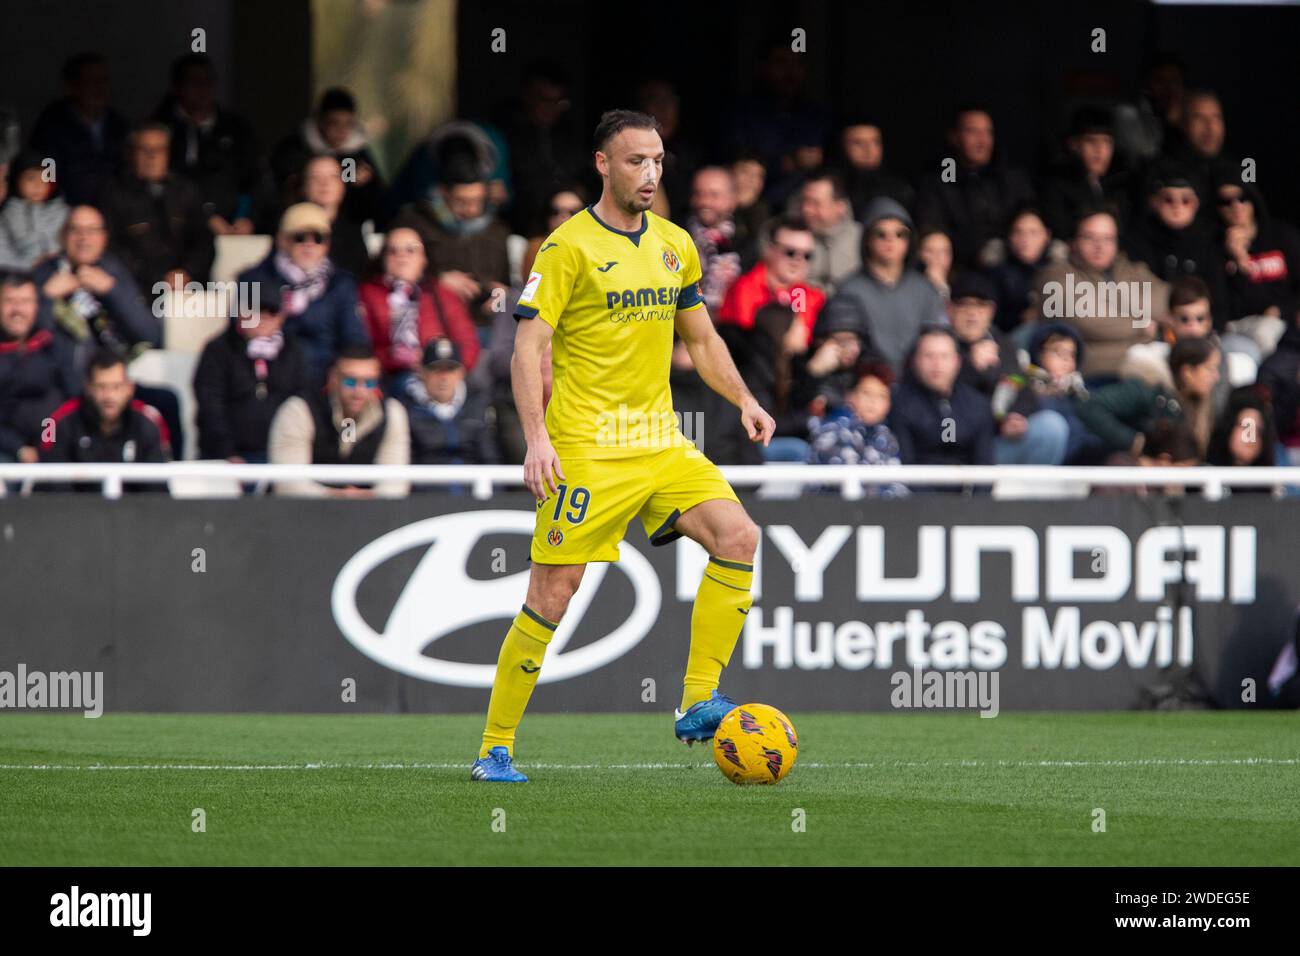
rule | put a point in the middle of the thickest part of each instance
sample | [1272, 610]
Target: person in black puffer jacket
[242, 378]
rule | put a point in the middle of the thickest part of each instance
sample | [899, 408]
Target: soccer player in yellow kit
[608, 290]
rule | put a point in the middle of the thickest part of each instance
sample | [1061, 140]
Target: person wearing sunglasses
[349, 423]
[885, 301]
[1261, 253]
[405, 308]
[319, 301]
[1173, 240]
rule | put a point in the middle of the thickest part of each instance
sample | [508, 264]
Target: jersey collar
[635, 237]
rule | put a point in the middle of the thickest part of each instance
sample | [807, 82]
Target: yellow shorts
[588, 515]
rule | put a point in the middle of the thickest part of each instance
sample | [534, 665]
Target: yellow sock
[721, 604]
[518, 664]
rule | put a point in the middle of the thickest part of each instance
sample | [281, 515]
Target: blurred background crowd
[1128, 293]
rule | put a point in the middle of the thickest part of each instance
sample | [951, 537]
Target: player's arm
[716, 367]
[541, 464]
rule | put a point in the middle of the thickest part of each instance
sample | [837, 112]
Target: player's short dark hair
[1186, 290]
[355, 353]
[613, 122]
[101, 361]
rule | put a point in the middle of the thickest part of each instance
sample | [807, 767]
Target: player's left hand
[759, 425]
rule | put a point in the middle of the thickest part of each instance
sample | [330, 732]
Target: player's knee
[554, 593]
[739, 541]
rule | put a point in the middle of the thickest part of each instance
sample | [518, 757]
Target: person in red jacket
[781, 276]
[404, 308]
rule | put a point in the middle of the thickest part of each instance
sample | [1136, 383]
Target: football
[755, 743]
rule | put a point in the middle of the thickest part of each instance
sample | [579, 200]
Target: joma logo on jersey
[630, 298]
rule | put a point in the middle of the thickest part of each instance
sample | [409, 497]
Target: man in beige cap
[320, 302]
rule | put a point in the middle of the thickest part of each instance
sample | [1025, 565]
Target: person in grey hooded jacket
[887, 302]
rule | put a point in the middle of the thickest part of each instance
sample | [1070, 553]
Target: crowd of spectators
[1135, 304]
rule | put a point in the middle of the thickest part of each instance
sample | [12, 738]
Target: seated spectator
[481, 142]
[752, 211]
[156, 222]
[1090, 179]
[81, 132]
[862, 165]
[986, 356]
[32, 217]
[335, 130]
[855, 433]
[562, 204]
[106, 423]
[934, 260]
[824, 205]
[319, 301]
[1188, 317]
[243, 377]
[1244, 435]
[464, 240]
[322, 184]
[713, 228]
[1077, 291]
[1199, 151]
[1122, 415]
[1174, 242]
[885, 301]
[824, 374]
[1048, 380]
[782, 277]
[35, 370]
[97, 305]
[95, 301]
[404, 309]
[451, 420]
[349, 423]
[1039, 438]
[1261, 254]
[1028, 251]
[973, 207]
[937, 419]
[214, 148]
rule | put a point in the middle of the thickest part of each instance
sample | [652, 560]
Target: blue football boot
[496, 767]
[701, 719]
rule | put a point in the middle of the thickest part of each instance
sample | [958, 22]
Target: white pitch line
[884, 765]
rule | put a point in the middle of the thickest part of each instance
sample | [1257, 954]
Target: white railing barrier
[484, 480]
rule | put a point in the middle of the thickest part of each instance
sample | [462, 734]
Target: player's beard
[632, 203]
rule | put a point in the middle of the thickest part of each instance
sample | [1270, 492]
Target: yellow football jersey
[611, 297]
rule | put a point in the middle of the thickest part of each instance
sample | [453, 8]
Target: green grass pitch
[1188, 788]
